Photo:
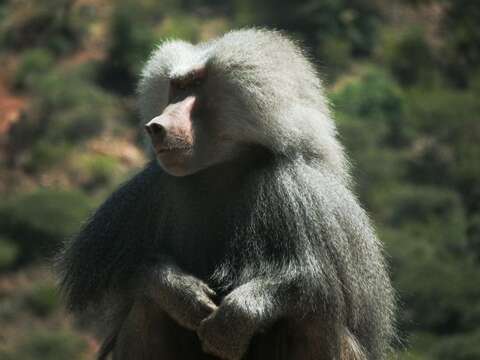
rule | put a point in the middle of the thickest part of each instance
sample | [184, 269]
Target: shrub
[77, 125]
[63, 91]
[10, 307]
[421, 204]
[335, 57]
[131, 40]
[461, 53]
[425, 232]
[8, 253]
[448, 129]
[458, 347]
[474, 234]
[42, 23]
[102, 170]
[182, 27]
[43, 299]
[376, 168]
[45, 155]
[38, 222]
[48, 345]
[373, 97]
[67, 110]
[332, 29]
[94, 171]
[70, 109]
[34, 63]
[408, 56]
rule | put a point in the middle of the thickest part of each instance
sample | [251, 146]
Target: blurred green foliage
[462, 45]
[96, 171]
[43, 299]
[34, 23]
[458, 347]
[131, 41]
[38, 222]
[70, 109]
[33, 63]
[404, 81]
[51, 345]
[8, 253]
[351, 27]
[374, 97]
[408, 56]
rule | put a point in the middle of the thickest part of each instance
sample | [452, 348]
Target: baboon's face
[190, 134]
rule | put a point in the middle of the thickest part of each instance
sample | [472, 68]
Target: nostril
[156, 130]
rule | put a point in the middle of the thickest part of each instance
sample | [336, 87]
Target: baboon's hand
[186, 299]
[226, 333]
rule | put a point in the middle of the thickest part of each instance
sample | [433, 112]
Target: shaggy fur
[275, 232]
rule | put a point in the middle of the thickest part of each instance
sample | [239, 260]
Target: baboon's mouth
[164, 150]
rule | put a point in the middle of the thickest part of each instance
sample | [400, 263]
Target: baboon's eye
[193, 79]
[179, 84]
[198, 76]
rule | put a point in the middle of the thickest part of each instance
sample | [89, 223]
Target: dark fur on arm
[309, 249]
[112, 244]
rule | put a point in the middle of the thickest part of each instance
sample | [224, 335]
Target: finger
[209, 304]
[209, 291]
[204, 297]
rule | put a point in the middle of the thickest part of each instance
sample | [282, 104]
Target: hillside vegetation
[403, 78]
